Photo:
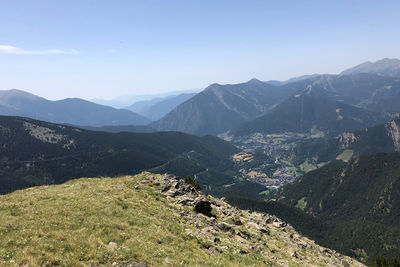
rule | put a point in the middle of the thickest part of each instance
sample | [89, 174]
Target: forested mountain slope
[358, 201]
[35, 152]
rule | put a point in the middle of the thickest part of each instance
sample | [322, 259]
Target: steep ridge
[303, 113]
[221, 107]
[370, 91]
[35, 152]
[146, 220]
[71, 110]
[358, 201]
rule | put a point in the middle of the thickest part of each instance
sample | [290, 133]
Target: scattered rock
[175, 187]
[265, 231]
[237, 221]
[166, 188]
[112, 245]
[269, 220]
[204, 207]
[244, 234]
[141, 264]
[225, 227]
[186, 201]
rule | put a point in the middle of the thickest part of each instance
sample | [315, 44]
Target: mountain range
[252, 105]
[258, 106]
[123, 101]
[369, 91]
[219, 108]
[70, 111]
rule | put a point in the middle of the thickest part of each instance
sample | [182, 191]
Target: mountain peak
[214, 85]
[255, 80]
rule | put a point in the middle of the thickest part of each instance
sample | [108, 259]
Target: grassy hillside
[146, 218]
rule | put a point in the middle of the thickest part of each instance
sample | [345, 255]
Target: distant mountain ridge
[293, 80]
[369, 91]
[156, 108]
[123, 101]
[372, 98]
[303, 114]
[70, 111]
[386, 67]
[219, 108]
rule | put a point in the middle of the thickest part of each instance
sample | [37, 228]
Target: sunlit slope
[146, 218]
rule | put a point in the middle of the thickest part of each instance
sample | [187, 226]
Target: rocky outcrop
[222, 228]
[394, 132]
[346, 138]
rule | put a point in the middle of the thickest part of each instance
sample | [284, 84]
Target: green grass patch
[100, 221]
[301, 203]
[345, 155]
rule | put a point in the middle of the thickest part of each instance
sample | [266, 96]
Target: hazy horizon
[107, 49]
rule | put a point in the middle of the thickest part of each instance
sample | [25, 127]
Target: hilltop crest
[154, 220]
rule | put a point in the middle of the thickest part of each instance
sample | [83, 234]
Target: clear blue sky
[82, 48]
